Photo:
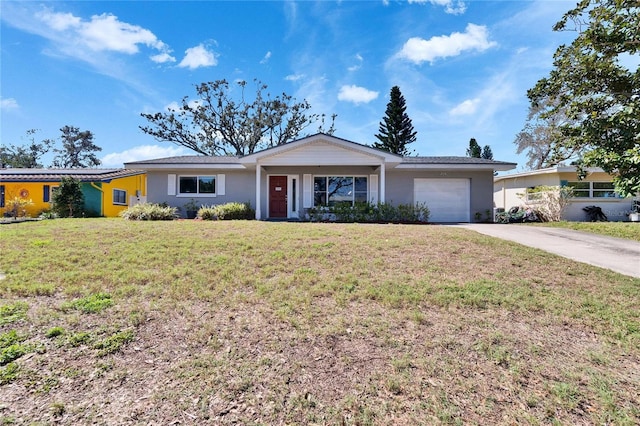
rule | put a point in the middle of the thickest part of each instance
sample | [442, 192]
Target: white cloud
[8, 104]
[59, 21]
[454, 7]
[106, 32]
[102, 33]
[356, 94]
[266, 58]
[162, 58]
[419, 50]
[468, 107]
[294, 77]
[139, 153]
[198, 56]
[358, 64]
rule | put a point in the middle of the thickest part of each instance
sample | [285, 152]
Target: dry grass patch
[276, 323]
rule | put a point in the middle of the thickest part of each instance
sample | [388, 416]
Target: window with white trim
[119, 197]
[332, 190]
[584, 189]
[205, 185]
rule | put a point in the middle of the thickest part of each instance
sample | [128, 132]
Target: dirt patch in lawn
[357, 364]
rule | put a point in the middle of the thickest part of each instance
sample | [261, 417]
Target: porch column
[383, 183]
[258, 213]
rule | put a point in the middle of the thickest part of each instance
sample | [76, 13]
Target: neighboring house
[106, 191]
[320, 170]
[596, 189]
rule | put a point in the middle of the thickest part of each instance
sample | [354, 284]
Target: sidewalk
[616, 254]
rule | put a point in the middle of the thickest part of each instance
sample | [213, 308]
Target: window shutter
[171, 185]
[307, 191]
[46, 193]
[220, 184]
[373, 189]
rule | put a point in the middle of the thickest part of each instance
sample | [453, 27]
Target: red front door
[277, 196]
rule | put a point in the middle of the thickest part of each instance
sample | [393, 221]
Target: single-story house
[284, 182]
[106, 191]
[596, 189]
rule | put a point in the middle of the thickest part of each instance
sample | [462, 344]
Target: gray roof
[203, 159]
[55, 175]
[452, 160]
[191, 159]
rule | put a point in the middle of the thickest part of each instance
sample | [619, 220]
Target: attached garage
[447, 199]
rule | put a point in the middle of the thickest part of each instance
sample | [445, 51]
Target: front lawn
[627, 230]
[192, 322]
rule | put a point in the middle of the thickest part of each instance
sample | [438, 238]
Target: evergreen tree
[474, 150]
[68, 200]
[487, 154]
[396, 130]
[78, 149]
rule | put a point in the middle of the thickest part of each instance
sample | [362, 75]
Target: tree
[487, 153]
[396, 130]
[26, 156]
[218, 124]
[68, 200]
[542, 136]
[77, 149]
[598, 93]
[474, 150]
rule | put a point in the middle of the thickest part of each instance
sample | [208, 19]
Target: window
[197, 185]
[604, 189]
[533, 196]
[119, 197]
[593, 189]
[332, 190]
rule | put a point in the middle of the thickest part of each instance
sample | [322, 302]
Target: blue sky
[463, 66]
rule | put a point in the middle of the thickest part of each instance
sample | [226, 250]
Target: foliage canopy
[68, 200]
[78, 149]
[222, 121]
[599, 94]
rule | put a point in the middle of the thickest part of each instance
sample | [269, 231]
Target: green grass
[90, 304]
[12, 312]
[626, 230]
[281, 323]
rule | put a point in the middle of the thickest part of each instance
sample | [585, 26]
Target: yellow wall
[131, 184]
[35, 193]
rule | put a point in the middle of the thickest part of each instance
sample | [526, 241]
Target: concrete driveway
[617, 254]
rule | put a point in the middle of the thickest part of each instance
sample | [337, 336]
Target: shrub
[366, 212]
[68, 200]
[149, 211]
[228, 211]
[17, 206]
[550, 202]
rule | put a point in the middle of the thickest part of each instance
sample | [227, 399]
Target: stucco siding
[508, 191]
[33, 191]
[400, 188]
[239, 187]
[98, 197]
[132, 185]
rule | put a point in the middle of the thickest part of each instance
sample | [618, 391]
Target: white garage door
[447, 199]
